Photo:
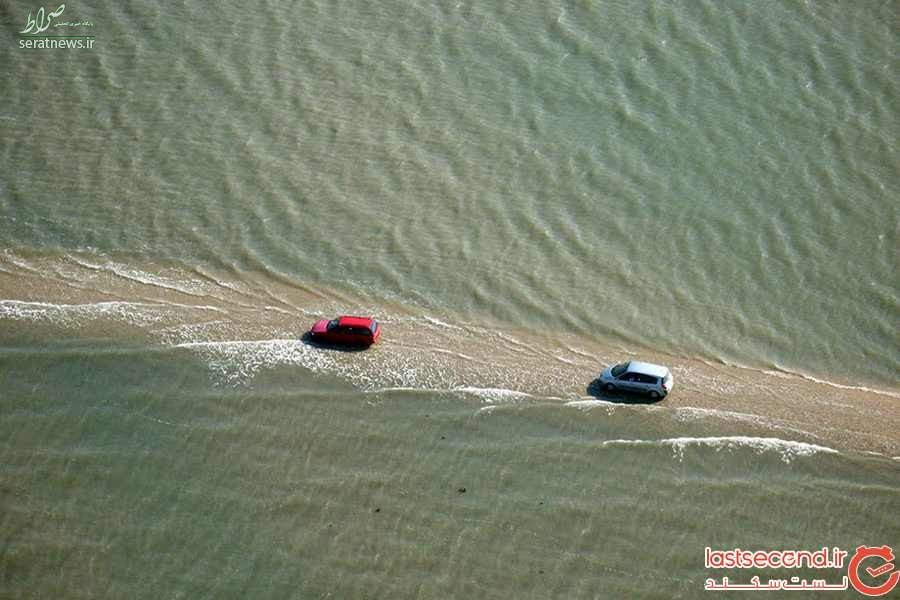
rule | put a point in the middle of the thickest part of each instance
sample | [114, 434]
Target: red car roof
[348, 321]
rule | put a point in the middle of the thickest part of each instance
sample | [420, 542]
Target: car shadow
[307, 339]
[596, 389]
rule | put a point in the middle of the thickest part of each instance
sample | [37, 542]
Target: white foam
[68, 314]
[841, 386]
[19, 262]
[592, 403]
[189, 306]
[275, 309]
[440, 323]
[779, 374]
[686, 413]
[189, 286]
[395, 389]
[493, 395]
[783, 373]
[581, 352]
[162, 422]
[786, 448]
[452, 353]
[238, 361]
[515, 345]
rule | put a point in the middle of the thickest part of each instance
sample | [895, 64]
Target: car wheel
[654, 395]
[610, 387]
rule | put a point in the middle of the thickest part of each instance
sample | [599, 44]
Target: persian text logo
[866, 581]
[33, 35]
[36, 26]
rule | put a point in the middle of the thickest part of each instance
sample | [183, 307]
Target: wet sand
[240, 323]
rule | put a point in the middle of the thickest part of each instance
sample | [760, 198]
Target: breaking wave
[787, 449]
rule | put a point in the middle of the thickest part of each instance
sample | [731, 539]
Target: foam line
[788, 449]
[493, 394]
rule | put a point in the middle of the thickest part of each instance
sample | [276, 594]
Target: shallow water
[522, 197]
[128, 473]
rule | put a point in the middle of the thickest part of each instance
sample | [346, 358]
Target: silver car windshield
[619, 369]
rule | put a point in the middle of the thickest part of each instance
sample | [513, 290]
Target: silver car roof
[644, 368]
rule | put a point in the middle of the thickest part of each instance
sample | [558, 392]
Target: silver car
[636, 376]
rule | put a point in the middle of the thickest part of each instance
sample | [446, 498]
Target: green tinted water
[705, 182]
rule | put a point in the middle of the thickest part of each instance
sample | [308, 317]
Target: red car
[346, 331]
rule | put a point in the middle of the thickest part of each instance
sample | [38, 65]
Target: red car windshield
[332, 324]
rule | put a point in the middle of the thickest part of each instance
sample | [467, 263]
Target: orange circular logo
[886, 555]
